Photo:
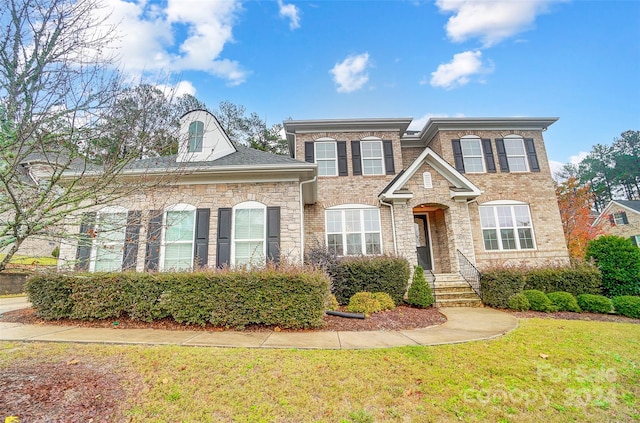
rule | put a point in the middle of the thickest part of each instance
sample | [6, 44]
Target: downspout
[315, 178]
[393, 226]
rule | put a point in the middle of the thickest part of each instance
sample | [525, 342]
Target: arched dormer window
[196, 135]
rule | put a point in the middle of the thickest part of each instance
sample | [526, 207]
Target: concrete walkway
[463, 325]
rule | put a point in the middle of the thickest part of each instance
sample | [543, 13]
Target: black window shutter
[154, 235]
[387, 147]
[85, 239]
[342, 158]
[308, 152]
[458, 159]
[201, 252]
[534, 166]
[612, 220]
[624, 218]
[273, 234]
[223, 249]
[131, 237]
[502, 155]
[634, 241]
[488, 155]
[355, 158]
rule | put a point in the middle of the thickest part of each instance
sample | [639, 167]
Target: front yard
[547, 370]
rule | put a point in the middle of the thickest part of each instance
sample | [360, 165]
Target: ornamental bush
[538, 300]
[367, 303]
[419, 294]
[619, 262]
[498, 285]
[577, 279]
[564, 301]
[519, 302]
[594, 303]
[627, 305]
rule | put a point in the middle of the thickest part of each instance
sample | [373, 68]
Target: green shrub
[367, 303]
[564, 301]
[627, 305]
[595, 303]
[619, 262]
[538, 300]
[293, 297]
[332, 303]
[351, 275]
[498, 285]
[419, 294]
[577, 279]
[519, 302]
[55, 253]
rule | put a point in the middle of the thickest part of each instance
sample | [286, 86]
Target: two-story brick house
[478, 187]
[621, 218]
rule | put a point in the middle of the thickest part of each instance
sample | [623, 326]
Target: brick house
[461, 190]
[621, 218]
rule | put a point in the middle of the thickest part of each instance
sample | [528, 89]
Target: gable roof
[628, 205]
[461, 189]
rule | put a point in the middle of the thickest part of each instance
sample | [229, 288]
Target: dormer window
[196, 134]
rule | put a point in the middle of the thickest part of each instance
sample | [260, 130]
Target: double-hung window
[249, 232]
[506, 227]
[620, 218]
[177, 238]
[472, 154]
[196, 135]
[372, 157]
[353, 230]
[108, 243]
[516, 153]
[326, 158]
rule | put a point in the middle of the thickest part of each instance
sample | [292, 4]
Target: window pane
[249, 252]
[334, 244]
[471, 147]
[473, 164]
[522, 215]
[179, 226]
[526, 238]
[249, 224]
[372, 166]
[508, 239]
[354, 244]
[334, 221]
[514, 147]
[352, 220]
[490, 239]
[504, 217]
[327, 168]
[371, 149]
[325, 150]
[487, 218]
[371, 220]
[108, 258]
[178, 256]
[372, 242]
[111, 227]
[517, 164]
[196, 133]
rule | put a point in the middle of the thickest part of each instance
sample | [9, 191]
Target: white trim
[248, 205]
[93, 255]
[514, 228]
[504, 203]
[371, 140]
[524, 155]
[481, 156]
[362, 232]
[335, 150]
[163, 242]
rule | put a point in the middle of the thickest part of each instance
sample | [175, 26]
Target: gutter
[315, 178]
[393, 226]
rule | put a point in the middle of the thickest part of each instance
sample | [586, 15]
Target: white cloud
[419, 123]
[351, 74]
[490, 20]
[291, 12]
[556, 167]
[179, 89]
[458, 71]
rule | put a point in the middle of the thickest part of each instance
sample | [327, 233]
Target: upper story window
[516, 153]
[176, 252]
[196, 135]
[506, 226]
[108, 243]
[372, 157]
[472, 154]
[249, 233]
[619, 218]
[326, 156]
[353, 230]
[635, 240]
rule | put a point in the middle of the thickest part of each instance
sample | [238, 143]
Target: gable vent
[426, 179]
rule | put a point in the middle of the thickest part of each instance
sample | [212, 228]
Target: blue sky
[576, 60]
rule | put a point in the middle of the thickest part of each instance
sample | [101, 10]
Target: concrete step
[470, 295]
[459, 303]
[451, 290]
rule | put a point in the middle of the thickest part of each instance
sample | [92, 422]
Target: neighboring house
[476, 187]
[621, 218]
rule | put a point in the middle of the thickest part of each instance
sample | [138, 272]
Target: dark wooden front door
[423, 248]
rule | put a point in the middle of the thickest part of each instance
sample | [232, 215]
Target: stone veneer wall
[214, 196]
[625, 231]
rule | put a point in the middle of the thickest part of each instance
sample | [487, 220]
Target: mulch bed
[567, 315]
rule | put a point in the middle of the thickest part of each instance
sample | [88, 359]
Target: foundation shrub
[50, 295]
[627, 305]
[419, 294]
[619, 261]
[519, 302]
[564, 301]
[498, 285]
[577, 279]
[594, 303]
[538, 300]
[367, 302]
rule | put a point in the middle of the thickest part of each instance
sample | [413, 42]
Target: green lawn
[29, 261]
[545, 371]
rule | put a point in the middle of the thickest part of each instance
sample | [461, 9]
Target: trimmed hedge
[538, 300]
[499, 285]
[291, 298]
[627, 305]
[351, 275]
[367, 302]
[595, 303]
[519, 302]
[564, 301]
[619, 261]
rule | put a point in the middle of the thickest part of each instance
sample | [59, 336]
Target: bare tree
[57, 83]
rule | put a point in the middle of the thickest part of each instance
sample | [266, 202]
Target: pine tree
[419, 294]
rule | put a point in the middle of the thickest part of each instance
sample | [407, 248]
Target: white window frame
[195, 137]
[165, 226]
[467, 168]
[371, 140]
[511, 157]
[361, 208]
[249, 205]
[618, 218]
[493, 206]
[96, 240]
[335, 151]
[637, 237]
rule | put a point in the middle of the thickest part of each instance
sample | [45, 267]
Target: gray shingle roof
[634, 205]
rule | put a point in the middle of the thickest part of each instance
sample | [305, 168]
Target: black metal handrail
[432, 281]
[469, 273]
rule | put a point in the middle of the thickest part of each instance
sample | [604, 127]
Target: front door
[423, 245]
